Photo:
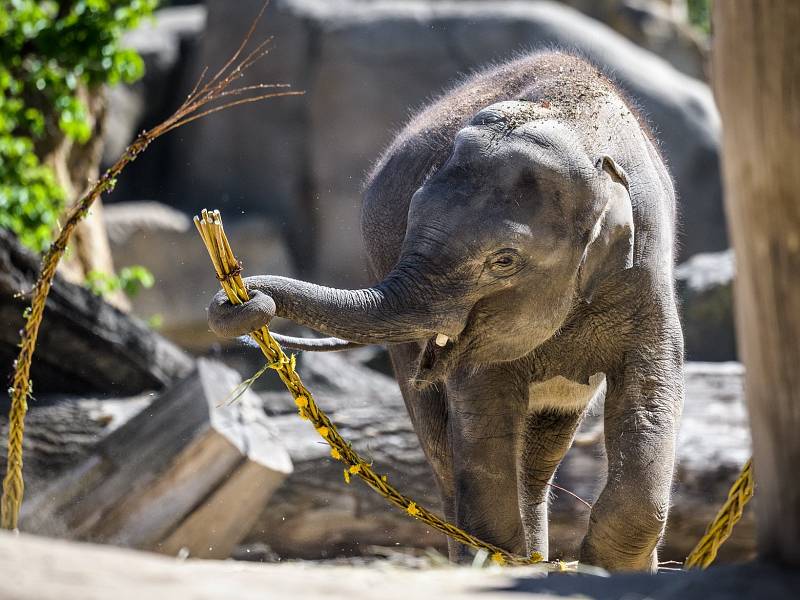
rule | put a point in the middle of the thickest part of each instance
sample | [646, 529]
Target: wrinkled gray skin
[528, 216]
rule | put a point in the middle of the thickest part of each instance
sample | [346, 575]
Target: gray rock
[164, 240]
[85, 345]
[704, 285]
[167, 44]
[365, 67]
[656, 25]
[125, 219]
[254, 159]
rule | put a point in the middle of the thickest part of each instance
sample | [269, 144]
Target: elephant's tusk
[441, 340]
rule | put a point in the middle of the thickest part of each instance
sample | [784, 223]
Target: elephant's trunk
[395, 310]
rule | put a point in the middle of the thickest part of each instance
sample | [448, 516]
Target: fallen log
[316, 515]
[85, 345]
[187, 472]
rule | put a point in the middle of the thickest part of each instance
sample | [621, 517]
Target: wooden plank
[148, 514]
[188, 451]
[213, 530]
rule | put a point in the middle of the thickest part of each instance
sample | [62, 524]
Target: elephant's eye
[488, 118]
[505, 262]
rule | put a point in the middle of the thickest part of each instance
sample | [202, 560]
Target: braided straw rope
[720, 529]
[13, 483]
[228, 272]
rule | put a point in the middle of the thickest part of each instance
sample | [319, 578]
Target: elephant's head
[501, 240]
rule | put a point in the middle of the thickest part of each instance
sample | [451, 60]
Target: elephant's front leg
[486, 418]
[642, 410]
[548, 435]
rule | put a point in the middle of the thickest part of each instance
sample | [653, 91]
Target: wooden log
[188, 471]
[85, 345]
[316, 515]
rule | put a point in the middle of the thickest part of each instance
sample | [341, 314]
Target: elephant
[520, 230]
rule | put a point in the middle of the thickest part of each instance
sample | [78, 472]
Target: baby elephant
[521, 232]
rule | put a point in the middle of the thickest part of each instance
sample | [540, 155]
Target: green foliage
[48, 49]
[155, 321]
[130, 280]
[700, 14]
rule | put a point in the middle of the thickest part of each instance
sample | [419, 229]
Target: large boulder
[167, 45]
[364, 67]
[705, 291]
[166, 242]
[660, 26]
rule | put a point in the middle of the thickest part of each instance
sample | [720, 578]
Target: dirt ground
[37, 568]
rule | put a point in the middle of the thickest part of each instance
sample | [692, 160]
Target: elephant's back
[426, 141]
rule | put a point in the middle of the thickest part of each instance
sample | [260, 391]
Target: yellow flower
[355, 469]
[301, 401]
[537, 557]
[346, 476]
[302, 414]
[383, 478]
[323, 431]
[412, 509]
[498, 558]
[335, 454]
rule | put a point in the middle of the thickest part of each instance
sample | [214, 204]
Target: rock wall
[705, 293]
[365, 67]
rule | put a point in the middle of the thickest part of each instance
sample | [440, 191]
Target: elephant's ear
[610, 247]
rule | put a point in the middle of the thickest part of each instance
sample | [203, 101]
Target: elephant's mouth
[435, 362]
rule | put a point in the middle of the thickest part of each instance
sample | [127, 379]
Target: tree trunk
[75, 165]
[756, 73]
